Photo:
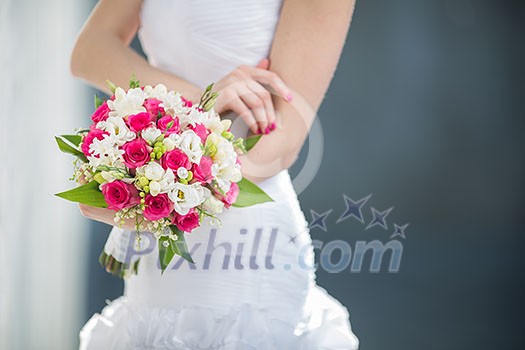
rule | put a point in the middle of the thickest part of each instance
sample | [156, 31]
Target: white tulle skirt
[252, 287]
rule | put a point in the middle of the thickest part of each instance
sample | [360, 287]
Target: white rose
[150, 134]
[153, 171]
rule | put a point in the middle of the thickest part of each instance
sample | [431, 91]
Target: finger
[263, 64]
[239, 107]
[273, 80]
[255, 104]
[266, 97]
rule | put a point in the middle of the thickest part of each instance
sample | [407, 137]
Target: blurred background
[425, 113]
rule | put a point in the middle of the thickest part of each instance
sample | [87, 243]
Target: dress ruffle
[124, 324]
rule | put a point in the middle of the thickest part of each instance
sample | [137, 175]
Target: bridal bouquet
[156, 158]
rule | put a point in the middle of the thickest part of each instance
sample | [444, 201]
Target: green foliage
[86, 194]
[250, 194]
[68, 144]
[168, 248]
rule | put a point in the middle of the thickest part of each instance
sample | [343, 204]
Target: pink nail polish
[267, 130]
[272, 126]
[289, 98]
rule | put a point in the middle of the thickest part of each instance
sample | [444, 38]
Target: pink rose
[120, 195]
[187, 103]
[174, 160]
[201, 131]
[157, 207]
[231, 195]
[163, 122]
[101, 114]
[136, 153]
[202, 171]
[153, 108]
[94, 133]
[139, 122]
[187, 222]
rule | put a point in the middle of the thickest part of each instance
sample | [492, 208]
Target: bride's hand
[245, 91]
[105, 216]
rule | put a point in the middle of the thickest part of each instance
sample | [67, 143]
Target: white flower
[111, 176]
[105, 152]
[226, 170]
[191, 144]
[161, 181]
[171, 141]
[127, 103]
[186, 197]
[195, 116]
[212, 205]
[152, 171]
[119, 132]
[150, 134]
[159, 91]
[216, 126]
[173, 104]
[167, 182]
[154, 188]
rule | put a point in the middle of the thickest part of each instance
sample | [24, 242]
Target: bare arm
[306, 49]
[102, 50]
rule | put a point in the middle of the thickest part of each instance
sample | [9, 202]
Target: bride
[253, 283]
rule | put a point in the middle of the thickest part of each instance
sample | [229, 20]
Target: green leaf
[166, 254]
[172, 248]
[86, 194]
[98, 101]
[251, 141]
[112, 87]
[74, 139]
[133, 82]
[69, 148]
[250, 194]
[181, 248]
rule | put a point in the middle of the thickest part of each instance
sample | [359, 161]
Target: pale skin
[285, 90]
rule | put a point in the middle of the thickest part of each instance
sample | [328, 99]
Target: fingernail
[259, 131]
[267, 130]
[289, 97]
[272, 126]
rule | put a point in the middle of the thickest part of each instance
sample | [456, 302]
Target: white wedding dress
[253, 285]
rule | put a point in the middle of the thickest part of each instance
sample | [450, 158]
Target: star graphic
[353, 208]
[319, 219]
[292, 239]
[379, 218]
[399, 231]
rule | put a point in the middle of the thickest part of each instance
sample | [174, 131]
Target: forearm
[102, 51]
[97, 60]
[315, 29]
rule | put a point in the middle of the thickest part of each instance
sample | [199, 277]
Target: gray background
[424, 113]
